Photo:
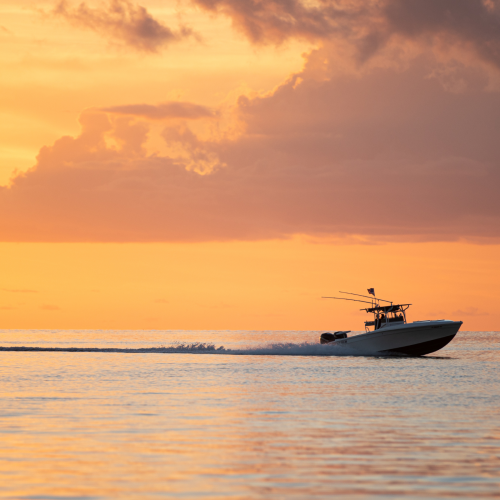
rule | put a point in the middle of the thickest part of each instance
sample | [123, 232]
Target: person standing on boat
[382, 320]
[378, 321]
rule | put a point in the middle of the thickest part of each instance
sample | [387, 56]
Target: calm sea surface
[271, 415]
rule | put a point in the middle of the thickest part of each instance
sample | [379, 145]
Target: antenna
[354, 300]
[366, 297]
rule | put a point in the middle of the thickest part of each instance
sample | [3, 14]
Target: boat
[389, 333]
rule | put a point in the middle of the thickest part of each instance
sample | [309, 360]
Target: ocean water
[244, 415]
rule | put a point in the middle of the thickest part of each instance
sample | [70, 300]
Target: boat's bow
[423, 337]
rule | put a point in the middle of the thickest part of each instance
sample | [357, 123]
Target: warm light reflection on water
[97, 425]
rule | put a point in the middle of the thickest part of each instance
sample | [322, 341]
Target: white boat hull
[411, 339]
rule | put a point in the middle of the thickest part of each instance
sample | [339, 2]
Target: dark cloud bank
[367, 24]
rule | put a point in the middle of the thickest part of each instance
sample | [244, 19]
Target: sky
[222, 164]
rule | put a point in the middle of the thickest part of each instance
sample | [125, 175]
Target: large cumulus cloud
[390, 154]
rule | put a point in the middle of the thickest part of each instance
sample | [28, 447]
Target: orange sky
[241, 285]
[222, 164]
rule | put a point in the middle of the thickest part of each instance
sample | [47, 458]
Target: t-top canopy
[386, 309]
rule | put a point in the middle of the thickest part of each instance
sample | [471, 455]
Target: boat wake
[275, 349]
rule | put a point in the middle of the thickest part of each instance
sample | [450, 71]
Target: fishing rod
[366, 297]
[354, 300]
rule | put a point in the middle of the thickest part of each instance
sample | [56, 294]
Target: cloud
[474, 22]
[369, 25]
[185, 110]
[470, 311]
[122, 21]
[274, 21]
[389, 155]
[50, 307]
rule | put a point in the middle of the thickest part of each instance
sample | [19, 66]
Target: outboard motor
[326, 338]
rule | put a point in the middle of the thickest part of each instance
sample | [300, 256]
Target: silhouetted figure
[378, 321]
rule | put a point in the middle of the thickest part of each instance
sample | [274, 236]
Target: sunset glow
[219, 164]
